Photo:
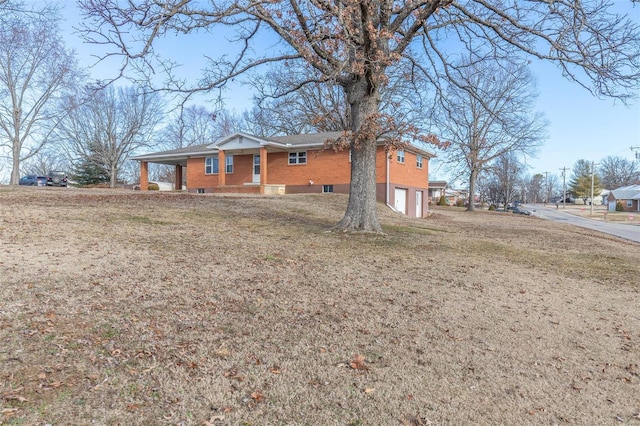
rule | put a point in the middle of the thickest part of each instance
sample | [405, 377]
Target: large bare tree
[486, 113]
[108, 127]
[618, 171]
[36, 71]
[352, 44]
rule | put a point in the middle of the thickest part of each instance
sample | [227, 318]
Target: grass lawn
[129, 308]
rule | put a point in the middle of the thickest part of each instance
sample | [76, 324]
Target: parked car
[57, 178]
[33, 180]
[518, 210]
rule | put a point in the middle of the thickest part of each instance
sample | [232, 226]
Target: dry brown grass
[134, 308]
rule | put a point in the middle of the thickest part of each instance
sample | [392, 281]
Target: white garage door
[418, 203]
[401, 200]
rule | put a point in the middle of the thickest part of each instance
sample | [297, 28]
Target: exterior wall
[242, 170]
[196, 178]
[407, 173]
[322, 168]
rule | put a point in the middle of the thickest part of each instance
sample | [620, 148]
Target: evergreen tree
[88, 173]
[580, 184]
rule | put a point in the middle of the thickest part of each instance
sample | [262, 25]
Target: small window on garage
[400, 156]
[419, 161]
[327, 188]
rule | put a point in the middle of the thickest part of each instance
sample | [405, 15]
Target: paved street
[627, 231]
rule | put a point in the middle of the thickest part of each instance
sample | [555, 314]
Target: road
[626, 231]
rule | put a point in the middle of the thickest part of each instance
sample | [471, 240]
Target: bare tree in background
[43, 162]
[489, 115]
[105, 130]
[36, 71]
[534, 187]
[506, 177]
[618, 171]
[353, 44]
[197, 125]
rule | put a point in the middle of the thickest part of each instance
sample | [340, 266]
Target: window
[327, 188]
[298, 157]
[228, 162]
[401, 156]
[211, 165]
[629, 203]
[419, 161]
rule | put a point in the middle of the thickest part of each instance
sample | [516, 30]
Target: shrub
[154, 187]
[442, 201]
[460, 203]
[492, 207]
[619, 207]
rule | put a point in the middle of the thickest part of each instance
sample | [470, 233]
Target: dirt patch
[122, 307]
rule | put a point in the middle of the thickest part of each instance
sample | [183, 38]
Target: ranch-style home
[242, 163]
[628, 196]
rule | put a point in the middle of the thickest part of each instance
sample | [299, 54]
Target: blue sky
[581, 126]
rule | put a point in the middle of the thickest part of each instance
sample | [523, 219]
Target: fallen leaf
[212, 420]
[275, 369]
[369, 390]
[257, 396]
[357, 363]
[18, 398]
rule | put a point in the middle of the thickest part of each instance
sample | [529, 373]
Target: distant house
[628, 196]
[436, 190]
[243, 163]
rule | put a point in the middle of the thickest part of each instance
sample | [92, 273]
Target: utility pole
[546, 187]
[564, 187]
[635, 149]
[592, 177]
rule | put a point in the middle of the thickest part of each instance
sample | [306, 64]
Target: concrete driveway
[628, 231]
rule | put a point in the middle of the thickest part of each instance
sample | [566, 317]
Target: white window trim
[327, 186]
[212, 168]
[297, 158]
[419, 161]
[400, 156]
[228, 164]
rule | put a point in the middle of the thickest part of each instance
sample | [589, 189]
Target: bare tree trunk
[15, 163]
[113, 177]
[472, 189]
[362, 213]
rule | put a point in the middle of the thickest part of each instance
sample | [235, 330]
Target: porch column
[263, 168]
[144, 176]
[222, 169]
[178, 184]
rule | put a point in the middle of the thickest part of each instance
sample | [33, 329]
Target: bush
[154, 187]
[492, 207]
[442, 201]
[460, 203]
[619, 207]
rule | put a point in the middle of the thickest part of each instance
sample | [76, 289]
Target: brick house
[628, 196]
[242, 163]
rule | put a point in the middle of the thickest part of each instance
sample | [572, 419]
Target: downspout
[387, 195]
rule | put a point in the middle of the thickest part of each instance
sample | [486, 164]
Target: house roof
[313, 140]
[631, 192]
